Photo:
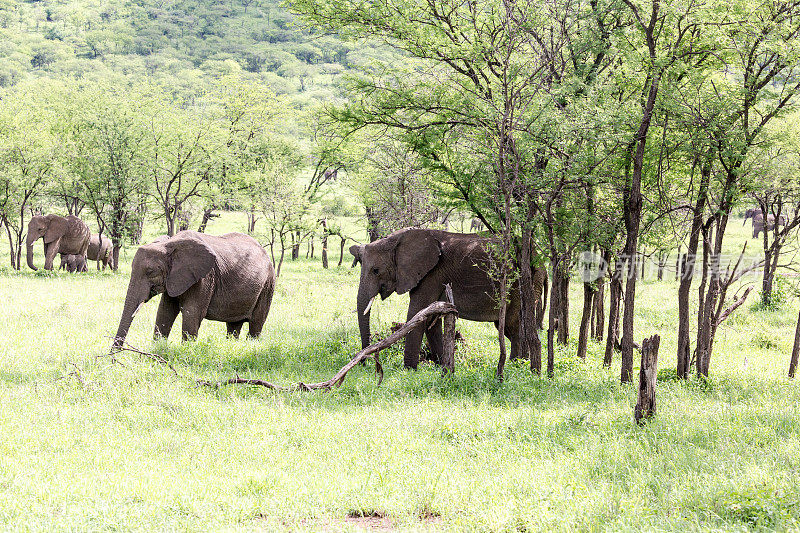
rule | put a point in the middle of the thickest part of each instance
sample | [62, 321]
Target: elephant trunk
[364, 305]
[29, 250]
[133, 301]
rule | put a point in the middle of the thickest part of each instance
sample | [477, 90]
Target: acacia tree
[186, 150]
[28, 149]
[764, 50]
[108, 144]
[466, 100]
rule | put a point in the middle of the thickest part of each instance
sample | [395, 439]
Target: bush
[782, 290]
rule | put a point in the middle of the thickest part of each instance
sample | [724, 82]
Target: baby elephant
[229, 278]
[72, 263]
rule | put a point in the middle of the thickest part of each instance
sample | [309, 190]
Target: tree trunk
[208, 214]
[795, 349]
[615, 298]
[341, 251]
[324, 243]
[295, 245]
[589, 293]
[551, 318]
[529, 336]
[684, 269]
[599, 301]
[563, 305]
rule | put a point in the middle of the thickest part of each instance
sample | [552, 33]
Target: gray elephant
[759, 224]
[421, 262]
[99, 250]
[62, 235]
[750, 213]
[72, 263]
[476, 225]
[229, 279]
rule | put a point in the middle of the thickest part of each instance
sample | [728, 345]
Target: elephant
[99, 250]
[73, 263]
[62, 235]
[227, 278]
[421, 262]
[759, 225]
[750, 213]
[476, 225]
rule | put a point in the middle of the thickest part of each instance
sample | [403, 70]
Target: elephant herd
[760, 223]
[230, 278]
[70, 238]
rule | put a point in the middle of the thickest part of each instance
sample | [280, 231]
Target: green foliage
[783, 290]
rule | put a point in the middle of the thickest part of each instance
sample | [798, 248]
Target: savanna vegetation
[657, 141]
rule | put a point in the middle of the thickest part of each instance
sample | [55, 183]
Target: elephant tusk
[369, 305]
[137, 309]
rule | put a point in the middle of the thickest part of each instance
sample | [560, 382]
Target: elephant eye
[375, 270]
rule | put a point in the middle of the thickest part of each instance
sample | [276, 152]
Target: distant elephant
[476, 225]
[62, 235]
[72, 263]
[750, 213]
[421, 262]
[229, 278]
[99, 250]
[759, 225]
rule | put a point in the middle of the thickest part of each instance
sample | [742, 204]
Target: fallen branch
[154, 356]
[430, 313]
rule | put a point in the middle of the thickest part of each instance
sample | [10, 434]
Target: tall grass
[94, 445]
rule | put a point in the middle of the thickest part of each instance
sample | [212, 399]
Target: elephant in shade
[62, 235]
[421, 262]
[99, 250]
[229, 279]
[759, 224]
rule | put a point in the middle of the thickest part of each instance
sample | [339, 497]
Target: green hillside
[180, 44]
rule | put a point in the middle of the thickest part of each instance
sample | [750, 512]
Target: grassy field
[91, 445]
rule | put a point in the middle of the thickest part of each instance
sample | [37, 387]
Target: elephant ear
[55, 230]
[356, 250]
[416, 254]
[192, 260]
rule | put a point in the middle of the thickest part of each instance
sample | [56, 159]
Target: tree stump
[646, 403]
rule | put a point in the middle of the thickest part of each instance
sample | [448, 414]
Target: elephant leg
[234, 328]
[260, 311]
[435, 341]
[168, 310]
[190, 325]
[50, 251]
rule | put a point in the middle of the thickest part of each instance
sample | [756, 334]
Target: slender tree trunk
[715, 293]
[615, 298]
[208, 214]
[599, 301]
[684, 269]
[341, 251]
[551, 318]
[589, 293]
[795, 349]
[563, 305]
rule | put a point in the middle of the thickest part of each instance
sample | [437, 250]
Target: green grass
[91, 445]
